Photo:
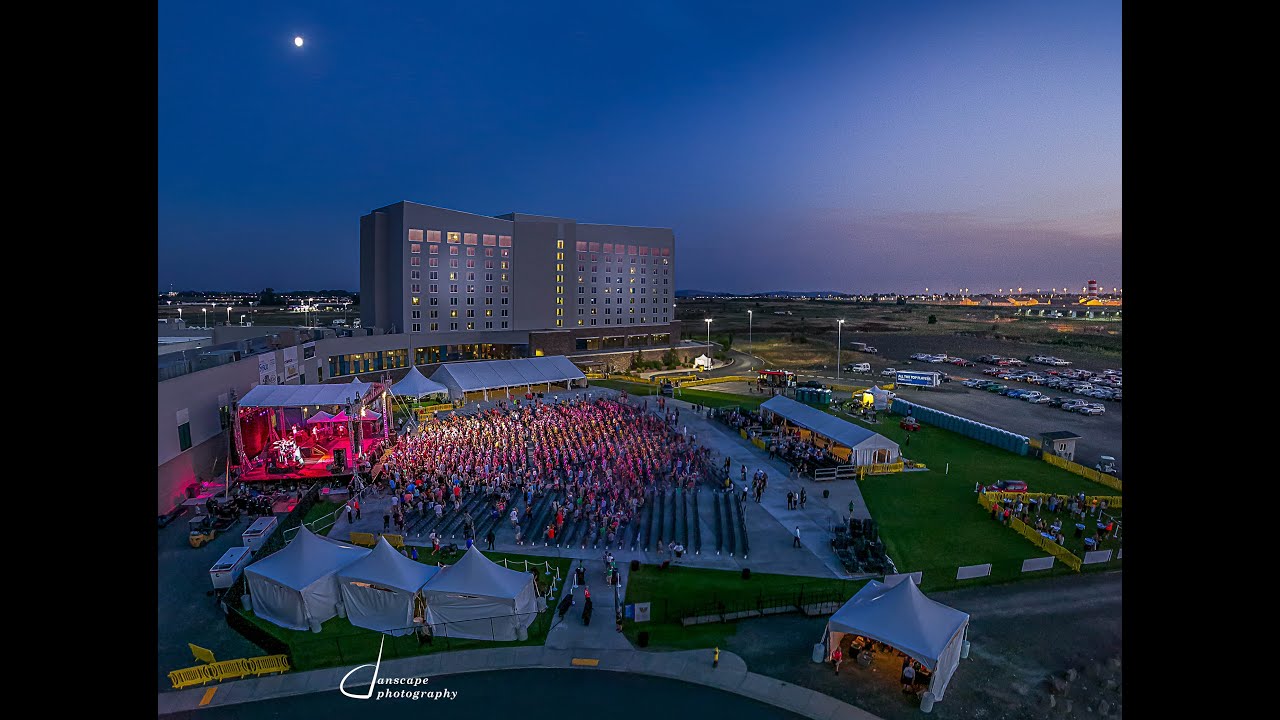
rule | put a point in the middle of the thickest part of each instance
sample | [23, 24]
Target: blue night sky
[849, 146]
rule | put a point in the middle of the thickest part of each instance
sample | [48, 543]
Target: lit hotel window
[415, 235]
[415, 248]
[454, 237]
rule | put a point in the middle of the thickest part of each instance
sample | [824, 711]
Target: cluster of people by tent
[793, 448]
[314, 579]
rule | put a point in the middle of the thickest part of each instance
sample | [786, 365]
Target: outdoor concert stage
[312, 468]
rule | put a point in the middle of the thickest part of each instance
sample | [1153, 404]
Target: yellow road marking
[589, 662]
[208, 695]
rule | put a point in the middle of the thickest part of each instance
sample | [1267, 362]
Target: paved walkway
[692, 666]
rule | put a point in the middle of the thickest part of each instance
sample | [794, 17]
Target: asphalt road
[526, 694]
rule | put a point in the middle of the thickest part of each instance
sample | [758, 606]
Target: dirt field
[1021, 634]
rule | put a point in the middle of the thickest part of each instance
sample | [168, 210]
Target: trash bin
[643, 638]
[926, 702]
[819, 652]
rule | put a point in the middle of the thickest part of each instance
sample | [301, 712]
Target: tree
[637, 362]
[728, 341]
[933, 319]
[268, 297]
[669, 359]
[902, 300]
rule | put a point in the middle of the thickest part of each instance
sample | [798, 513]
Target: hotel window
[471, 326]
[504, 241]
[435, 326]
[488, 313]
[415, 235]
[471, 313]
[435, 301]
[504, 277]
[504, 253]
[415, 274]
[433, 236]
[581, 311]
[633, 271]
[454, 237]
[415, 248]
[504, 300]
[453, 301]
[559, 323]
[453, 326]
[417, 314]
[433, 262]
[559, 278]
[581, 291]
[488, 264]
[416, 301]
[469, 238]
[471, 288]
[593, 247]
[559, 267]
[488, 289]
[489, 241]
[415, 261]
[488, 325]
[631, 320]
[453, 288]
[435, 274]
[504, 323]
[560, 244]
[453, 251]
[505, 265]
[453, 276]
[471, 301]
[488, 252]
[416, 288]
[471, 252]
[471, 276]
[559, 256]
[453, 313]
[433, 250]
[417, 327]
[593, 321]
[504, 314]
[435, 313]
[581, 246]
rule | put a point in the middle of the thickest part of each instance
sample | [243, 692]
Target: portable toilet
[826, 397]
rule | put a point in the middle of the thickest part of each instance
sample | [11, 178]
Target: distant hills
[771, 293]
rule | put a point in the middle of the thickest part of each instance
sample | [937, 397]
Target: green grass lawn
[702, 397]
[341, 643]
[931, 520]
[681, 589]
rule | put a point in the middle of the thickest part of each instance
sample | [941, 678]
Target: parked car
[972, 382]
[1010, 486]
[1071, 405]
[991, 371]
[1092, 409]
[1041, 400]
[889, 372]
[1032, 395]
[1010, 392]
[1057, 401]
[987, 358]
[997, 387]
[961, 362]
[858, 367]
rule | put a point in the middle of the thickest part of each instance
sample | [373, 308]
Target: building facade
[454, 278]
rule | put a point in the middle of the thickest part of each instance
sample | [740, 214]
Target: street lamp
[228, 313]
[840, 346]
[708, 322]
[206, 317]
[242, 319]
[750, 345]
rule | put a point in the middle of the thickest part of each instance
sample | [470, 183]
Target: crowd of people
[1045, 516]
[596, 458]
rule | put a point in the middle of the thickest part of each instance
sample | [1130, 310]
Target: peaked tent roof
[307, 559]
[415, 385]
[320, 417]
[302, 395]
[903, 617]
[845, 433]
[386, 566]
[475, 574]
[491, 374]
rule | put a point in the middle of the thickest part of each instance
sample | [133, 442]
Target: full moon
[298, 41]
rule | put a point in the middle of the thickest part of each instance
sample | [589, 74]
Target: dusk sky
[848, 146]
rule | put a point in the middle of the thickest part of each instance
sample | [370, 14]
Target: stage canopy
[902, 617]
[302, 395]
[477, 598]
[863, 442]
[381, 590]
[480, 375]
[417, 386]
[298, 584]
[321, 417]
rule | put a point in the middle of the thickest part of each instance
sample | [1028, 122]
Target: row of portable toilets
[1003, 439]
[813, 396]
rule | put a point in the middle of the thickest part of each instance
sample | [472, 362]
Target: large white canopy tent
[902, 617]
[530, 374]
[478, 599]
[296, 396]
[867, 447]
[297, 586]
[383, 589]
[417, 386]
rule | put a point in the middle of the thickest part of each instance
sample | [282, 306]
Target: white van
[858, 367]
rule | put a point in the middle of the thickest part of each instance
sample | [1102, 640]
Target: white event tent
[297, 586]
[478, 599]
[902, 617]
[528, 374]
[866, 447]
[383, 590]
[417, 386]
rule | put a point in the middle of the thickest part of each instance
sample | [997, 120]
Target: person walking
[791, 497]
[489, 538]
[796, 540]
[350, 514]
[836, 658]
[803, 497]
[357, 509]
[386, 521]
[715, 659]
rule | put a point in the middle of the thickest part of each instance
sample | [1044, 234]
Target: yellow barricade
[363, 538]
[229, 669]
[397, 541]
[1114, 502]
[187, 677]
[1034, 443]
[1084, 472]
[758, 443]
[204, 655]
[268, 664]
[743, 433]
[1044, 543]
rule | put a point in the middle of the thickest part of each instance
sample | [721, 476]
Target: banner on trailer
[267, 369]
[290, 363]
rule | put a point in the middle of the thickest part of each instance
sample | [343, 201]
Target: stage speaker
[340, 457]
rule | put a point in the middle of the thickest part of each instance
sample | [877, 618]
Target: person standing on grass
[715, 658]
[836, 658]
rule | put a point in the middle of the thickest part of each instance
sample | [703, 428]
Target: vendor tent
[321, 417]
[880, 397]
[902, 617]
[417, 386]
[297, 585]
[702, 361]
[477, 598]
[867, 447]
[483, 375]
[383, 589]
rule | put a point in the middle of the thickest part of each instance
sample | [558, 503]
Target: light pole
[839, 346]
[708, 322]
[179, 313]
[751, 348]
[242, 319]
[206, 317]
[228, 314]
